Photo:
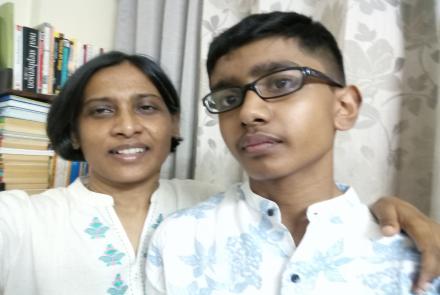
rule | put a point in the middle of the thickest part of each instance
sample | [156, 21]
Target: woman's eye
[101, 111]
[147, 108]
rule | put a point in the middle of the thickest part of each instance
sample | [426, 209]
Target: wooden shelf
[36, 96]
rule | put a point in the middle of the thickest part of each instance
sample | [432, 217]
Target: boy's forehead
[263, 56]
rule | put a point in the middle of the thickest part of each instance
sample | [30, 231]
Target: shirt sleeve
[13, 207]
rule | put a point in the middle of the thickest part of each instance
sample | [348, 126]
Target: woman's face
[125, 127]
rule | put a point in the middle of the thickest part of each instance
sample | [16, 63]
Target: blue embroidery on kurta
[119, 287]
[158, 221]
[96, 229]
[112, 256]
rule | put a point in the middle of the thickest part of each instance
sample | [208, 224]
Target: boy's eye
[282, 84]
[230, 100]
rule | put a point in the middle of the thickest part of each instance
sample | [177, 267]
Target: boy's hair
[62, 120]
[311, 36]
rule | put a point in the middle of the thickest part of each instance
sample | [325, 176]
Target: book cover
[58, 61]
[7, 35]
[25, 103]
[75, 167]
[65, 62]
[60, 172]
[30, 59]
[46, 70]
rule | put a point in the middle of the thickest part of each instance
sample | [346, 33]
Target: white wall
[88, 21]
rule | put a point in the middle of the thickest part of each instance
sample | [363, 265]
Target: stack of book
[25, 157]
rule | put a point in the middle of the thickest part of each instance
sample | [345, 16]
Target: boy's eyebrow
[265, 68]
[256, 71]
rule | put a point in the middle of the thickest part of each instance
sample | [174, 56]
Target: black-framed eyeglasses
[276, 84]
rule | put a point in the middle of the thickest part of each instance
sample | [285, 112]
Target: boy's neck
[294, 195]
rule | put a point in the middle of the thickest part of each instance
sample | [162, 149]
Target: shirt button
[294, 278]
[270, 212]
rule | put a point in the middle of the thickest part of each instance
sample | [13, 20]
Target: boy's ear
[347, 106]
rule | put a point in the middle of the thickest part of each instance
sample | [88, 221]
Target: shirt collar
[334, 210]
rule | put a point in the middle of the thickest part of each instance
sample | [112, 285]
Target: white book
[20, 113]
[17, 83]
[24, 103]
[46, 31]
[12, 151]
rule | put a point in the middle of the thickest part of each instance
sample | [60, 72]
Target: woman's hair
[62, 120]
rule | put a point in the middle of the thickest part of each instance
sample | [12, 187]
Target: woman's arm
[394, 214]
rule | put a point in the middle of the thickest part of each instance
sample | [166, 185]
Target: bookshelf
[36, 96]
[35, 62]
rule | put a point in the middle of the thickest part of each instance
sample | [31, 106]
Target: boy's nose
[127, 124]
[254, 110]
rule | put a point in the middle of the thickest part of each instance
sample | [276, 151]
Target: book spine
[30, 59]
[58, 62]
[65, 62]
[40, 62]
[18, 58]
[46, 61]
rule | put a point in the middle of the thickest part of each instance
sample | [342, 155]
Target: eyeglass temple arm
[314, 73]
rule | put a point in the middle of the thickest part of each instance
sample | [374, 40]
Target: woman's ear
[75, 142]
[347, 107]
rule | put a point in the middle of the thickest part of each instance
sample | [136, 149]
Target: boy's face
[277, 138]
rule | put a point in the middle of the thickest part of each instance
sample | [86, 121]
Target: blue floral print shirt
[235, 243]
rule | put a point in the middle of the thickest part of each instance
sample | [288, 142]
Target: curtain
[391, 52]
[169, 32]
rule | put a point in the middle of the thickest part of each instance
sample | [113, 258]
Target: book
[5, 79]
[30, 59]
[46, 63]
[58, 61]
[25, 114]
[25, 152]
[22, 128]
[25, 103]
[23, 158]
[25, 186]
[18, 58]
[23, 143]
[65, 62]
[7, 35]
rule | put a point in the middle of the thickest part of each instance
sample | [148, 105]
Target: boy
[278, 85]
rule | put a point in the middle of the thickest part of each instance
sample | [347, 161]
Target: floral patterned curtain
[391, 51]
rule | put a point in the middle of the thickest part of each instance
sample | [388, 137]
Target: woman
[120, 113]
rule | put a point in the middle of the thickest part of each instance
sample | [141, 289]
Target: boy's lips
[257, 142]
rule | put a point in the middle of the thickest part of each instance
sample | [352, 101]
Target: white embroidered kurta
[69, 241]
[235, 243]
